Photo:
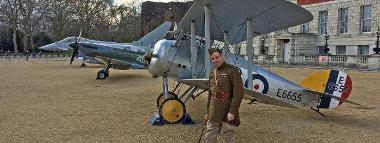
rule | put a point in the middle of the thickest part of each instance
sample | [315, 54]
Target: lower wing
[249, 94]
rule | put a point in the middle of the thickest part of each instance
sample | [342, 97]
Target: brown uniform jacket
[225, 94]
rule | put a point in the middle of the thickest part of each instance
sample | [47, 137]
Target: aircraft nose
[148, 58]
[157, 59]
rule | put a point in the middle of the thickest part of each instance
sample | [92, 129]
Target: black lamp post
[262, 46]
[377, 49]
[326, 49]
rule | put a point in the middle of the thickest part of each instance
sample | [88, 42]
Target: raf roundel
[259, 84]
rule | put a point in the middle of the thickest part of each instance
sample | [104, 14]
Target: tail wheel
[102, 74]
[172, 110]
[160, 98]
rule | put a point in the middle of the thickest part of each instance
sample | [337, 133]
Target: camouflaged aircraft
[122, 56]
[187, 61]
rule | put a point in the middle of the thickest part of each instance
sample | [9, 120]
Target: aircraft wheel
[172, 110]
[102, 75]
[160, 98]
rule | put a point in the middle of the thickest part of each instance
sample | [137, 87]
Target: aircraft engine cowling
[159, 57]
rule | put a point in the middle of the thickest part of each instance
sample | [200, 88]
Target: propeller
[175, 26]
[148, 57]
[75, 46]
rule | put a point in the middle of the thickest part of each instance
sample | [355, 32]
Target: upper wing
[203, 84]
[231, 15]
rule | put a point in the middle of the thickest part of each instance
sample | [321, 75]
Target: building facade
[351, 26]
[153, 14]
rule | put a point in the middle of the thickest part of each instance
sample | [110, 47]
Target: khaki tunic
[225, 97]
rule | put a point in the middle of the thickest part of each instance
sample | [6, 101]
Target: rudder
[332, 82]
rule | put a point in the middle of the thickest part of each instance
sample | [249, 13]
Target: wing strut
[250, 53]
[194, 50]
[207, 37]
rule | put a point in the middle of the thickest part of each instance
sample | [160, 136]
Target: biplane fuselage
[175, 63]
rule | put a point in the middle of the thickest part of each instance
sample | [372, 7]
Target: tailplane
[157, 34]
[334, 86]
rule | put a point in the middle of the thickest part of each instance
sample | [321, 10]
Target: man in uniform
[225, 95]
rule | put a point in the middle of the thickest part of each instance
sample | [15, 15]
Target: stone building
[153, 14]
[350, 24]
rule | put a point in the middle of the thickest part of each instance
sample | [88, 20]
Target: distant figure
[8, 55]
[27, 55]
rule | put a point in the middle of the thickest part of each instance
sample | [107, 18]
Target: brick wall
[153, 14]
[306, 2]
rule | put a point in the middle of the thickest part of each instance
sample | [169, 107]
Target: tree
[32, 14]
[10, 9]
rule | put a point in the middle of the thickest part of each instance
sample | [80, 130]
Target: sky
[119, 2]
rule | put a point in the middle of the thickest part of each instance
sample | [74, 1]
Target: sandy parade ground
[50, 101]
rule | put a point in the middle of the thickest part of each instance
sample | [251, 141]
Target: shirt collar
[222, 66]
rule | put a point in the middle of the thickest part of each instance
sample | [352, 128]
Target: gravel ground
[50, 101]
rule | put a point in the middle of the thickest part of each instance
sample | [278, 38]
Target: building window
[366, 14]
[305, 28]
[363, 50]
[320, 50]
[340, 50]
[323, 21]
[343, 20]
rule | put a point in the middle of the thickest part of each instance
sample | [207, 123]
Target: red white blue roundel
[259, 84]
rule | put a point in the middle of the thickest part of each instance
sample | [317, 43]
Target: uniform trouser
[214, 129]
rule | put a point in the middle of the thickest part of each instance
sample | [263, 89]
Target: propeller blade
[80, 34]
[148, 57]
[75, 51]
[175, 26]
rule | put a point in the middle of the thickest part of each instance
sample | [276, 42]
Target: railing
[318, 61]
[35, 56]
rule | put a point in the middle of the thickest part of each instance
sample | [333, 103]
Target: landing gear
[83, 65]
[253, 101]
[104, 73]
[160, 98]
[318, 111]
[172, 107]
[172, 110]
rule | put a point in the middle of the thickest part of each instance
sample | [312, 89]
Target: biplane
[186, 60]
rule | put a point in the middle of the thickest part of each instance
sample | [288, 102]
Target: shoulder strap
[215, 75]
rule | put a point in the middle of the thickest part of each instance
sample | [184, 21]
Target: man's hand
[230, 117]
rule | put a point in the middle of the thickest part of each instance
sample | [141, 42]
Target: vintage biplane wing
[231, 15]
[203, 84]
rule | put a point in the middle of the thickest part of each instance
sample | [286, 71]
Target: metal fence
[35, 56]
[345, 62]
[361, 63]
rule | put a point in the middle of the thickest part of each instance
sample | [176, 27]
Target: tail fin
[157, 34]
[331, 82]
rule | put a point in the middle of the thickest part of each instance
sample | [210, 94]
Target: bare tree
[32, 14]
[10, 9]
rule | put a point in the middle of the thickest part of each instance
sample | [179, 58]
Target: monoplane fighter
[122, 56]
